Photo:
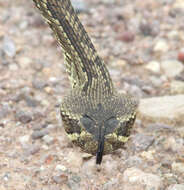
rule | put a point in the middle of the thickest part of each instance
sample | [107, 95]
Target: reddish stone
[126, 36]
[181, 56]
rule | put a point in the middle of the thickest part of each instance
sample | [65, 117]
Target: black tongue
[100, 150]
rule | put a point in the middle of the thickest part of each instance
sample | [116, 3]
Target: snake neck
[86, 69]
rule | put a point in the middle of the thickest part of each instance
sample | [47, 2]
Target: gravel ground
[142, 43]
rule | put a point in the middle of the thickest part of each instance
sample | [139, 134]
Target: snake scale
[95, 116]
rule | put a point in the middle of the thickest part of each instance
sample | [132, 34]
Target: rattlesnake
[95, 116]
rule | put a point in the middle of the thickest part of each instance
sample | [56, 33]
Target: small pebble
[31, 149]
[48, 139]
[126, 36]
[60, 179]
[39, 134]
[24, 62]
[75, 178]
[173, 35]
[153, 66]
[133, 161]
[39, 126]
[156, 81]
[13, 67]
[23, 25]
[45, 147]
[37, 21]
[74, 182]
[86, 156]
[50, 126]
[145, 28]
[38, 84]
[48, 89]
[177, 87]
[120, 62]
[149, 155]
[133, 89]
[4, 110]
[24, 117]
[147, 89]
[161, 46]
[172, 68]
[38, 65]
[181, 56]
[142, 142]
[60, 168]
[31, 102]
[6, 176]
[9, 47]
[134, 80]
[24, 139]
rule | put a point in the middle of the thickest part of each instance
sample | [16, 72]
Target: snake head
[99, 127]
[107, 128]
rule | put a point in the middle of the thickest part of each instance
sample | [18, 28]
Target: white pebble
[61, 168]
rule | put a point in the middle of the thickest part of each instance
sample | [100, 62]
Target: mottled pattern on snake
[95, 116]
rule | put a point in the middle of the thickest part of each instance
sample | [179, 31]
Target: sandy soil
[34, 150]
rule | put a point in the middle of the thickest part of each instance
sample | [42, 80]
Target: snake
[95, 116]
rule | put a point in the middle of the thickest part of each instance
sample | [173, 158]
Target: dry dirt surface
[142, 43]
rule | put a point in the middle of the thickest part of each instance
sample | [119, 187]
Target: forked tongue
[100, 150]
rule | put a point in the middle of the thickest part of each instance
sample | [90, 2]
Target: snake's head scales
[98, 127]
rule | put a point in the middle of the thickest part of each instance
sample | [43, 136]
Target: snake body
[95, 116]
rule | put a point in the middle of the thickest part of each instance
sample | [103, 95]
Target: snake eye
[88, 123]
[110, 125]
